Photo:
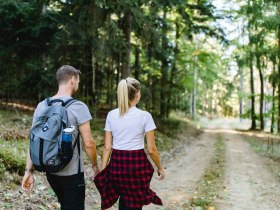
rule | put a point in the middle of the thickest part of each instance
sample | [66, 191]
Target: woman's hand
[95, 169]
[161, 174]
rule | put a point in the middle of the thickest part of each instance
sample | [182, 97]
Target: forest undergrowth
[14, 132]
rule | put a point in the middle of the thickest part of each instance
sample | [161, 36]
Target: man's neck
[62, 92]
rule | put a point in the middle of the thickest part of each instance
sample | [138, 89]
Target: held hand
[161, 174]
[27, 183]
[96, 170]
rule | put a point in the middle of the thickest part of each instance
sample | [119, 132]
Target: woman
[128, 173]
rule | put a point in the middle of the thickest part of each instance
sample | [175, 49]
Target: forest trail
[248, 182]
[183, 172]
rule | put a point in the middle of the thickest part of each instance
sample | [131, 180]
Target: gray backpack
[46, 137]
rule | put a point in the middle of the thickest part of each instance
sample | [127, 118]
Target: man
[68, 184]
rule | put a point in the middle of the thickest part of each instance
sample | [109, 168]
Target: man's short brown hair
[65, 73]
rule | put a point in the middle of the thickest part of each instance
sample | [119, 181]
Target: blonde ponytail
[127, 90]
[123, 103]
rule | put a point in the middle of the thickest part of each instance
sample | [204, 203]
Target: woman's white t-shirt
[129, 130]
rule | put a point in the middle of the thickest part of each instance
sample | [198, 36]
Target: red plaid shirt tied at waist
[128, 174]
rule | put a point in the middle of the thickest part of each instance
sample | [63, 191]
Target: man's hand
[28, 181]
[96, 170]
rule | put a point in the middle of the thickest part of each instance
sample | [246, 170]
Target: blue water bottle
[66, 145]
[67, 134]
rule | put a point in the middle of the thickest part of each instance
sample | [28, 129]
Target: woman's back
[126, 171]
[129, 130]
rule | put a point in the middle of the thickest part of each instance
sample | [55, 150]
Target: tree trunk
[110, 83]
[164, 71]
[191, 102]
[241, 87]
[89, 71]
[93, 85]
[278, 34]
[194, 93]
[203, 102]
[137, 63]
[253, 115]
[127, 19]
[153, 93]
[118, 72]
[273, 99]
[174, 69]
[262, 91]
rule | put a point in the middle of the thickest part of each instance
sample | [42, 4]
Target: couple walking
[125, 171]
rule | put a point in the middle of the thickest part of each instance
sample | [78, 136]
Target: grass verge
[269, 148]
[210, 184]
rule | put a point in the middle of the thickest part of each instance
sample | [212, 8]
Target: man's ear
[73, 80]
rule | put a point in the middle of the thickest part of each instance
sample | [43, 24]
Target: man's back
[78, 113]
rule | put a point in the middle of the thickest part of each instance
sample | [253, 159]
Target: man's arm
[28, 178]
[89, 145]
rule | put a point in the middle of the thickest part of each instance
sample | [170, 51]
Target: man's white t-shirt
[129, 130]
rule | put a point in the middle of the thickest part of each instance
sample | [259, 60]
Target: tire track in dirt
[249, 185]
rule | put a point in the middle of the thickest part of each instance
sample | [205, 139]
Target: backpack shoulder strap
[67, 103]
[48, 101]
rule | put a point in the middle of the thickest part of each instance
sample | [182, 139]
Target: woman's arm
[107, 149]
[153, 152]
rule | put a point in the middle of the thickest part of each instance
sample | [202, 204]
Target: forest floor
[218, 169]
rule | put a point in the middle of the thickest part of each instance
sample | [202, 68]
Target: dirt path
[249, 184]
[183, 172]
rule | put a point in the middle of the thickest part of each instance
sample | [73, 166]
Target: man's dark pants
[70, 190]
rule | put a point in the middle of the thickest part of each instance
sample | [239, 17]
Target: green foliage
[2, 169]
[11, 162]
[38, 37]
[26, 36]
[168, 126]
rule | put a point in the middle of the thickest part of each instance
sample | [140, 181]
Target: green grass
[210, 184]
[13, 140]
[13, 155]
